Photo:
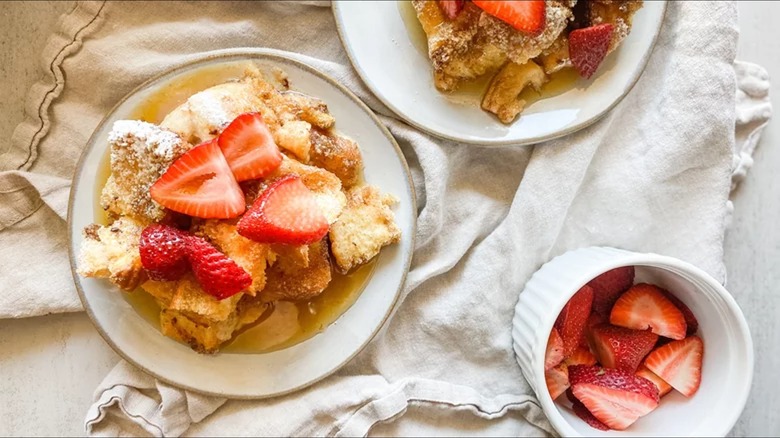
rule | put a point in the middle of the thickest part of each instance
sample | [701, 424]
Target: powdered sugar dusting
[145, 137]
[211, 109]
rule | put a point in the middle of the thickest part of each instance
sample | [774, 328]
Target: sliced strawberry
[581, 356]
[286, 212]
[451, 8]
[217, 274]
[586, 416]
[200, 184]
[557, 379]
[571, 321]
[554, 353]
[588, 47]
[622, 348]
[679, 364]
[608, 286]
[663, 387]
[527, 16]
[615, 397]
[690, 319]
[163, 252]
[644, 306]
[249, 147]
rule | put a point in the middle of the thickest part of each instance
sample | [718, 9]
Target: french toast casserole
[519, 42]
[243, 196]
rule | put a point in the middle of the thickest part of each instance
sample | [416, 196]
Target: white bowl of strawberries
[622, 343]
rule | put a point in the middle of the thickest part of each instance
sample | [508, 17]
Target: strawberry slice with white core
[557, 380]
[615, 397]
[679, 364]
[200, 184]
[586, 416]
[663, 387]
[554, 353]
[249, 147]
[286, 212]
[527, 16]
[645, 306]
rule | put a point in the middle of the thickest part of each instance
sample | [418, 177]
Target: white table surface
[49, 366]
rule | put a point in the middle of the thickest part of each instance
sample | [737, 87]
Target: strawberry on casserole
[245, 196]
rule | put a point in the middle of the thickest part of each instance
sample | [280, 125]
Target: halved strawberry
[644, 306]
[615, 397]
[527, 16]
[163, 252]
[557, 379]
[690, 319]
[217, 274]
[286, 212]
[249, 147]
[608, 286]
[679, 364]
[200, 184]
[451, 8]
[622, 348]
[581, 356]
[554, 353]
[588, 47]
[586, 416]
[571, 321]
[663, 387]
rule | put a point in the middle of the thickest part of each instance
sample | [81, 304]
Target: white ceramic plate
[279, 372]
[393, 62]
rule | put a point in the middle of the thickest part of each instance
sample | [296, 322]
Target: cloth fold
[653, 175]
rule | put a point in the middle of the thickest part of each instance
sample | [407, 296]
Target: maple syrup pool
[283, 324]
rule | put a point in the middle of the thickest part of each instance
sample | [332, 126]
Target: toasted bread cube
[337, 154]
[290, 281]
[364, 227]
[140, 153]
[294, 136]
[112, 252]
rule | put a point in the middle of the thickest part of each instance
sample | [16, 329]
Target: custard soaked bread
[243, 198]
[518, 42]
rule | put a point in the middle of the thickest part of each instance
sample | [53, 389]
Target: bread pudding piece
[475, 43]
[502, 97]
[365, 226]
[337, 154]
[288, 280]
[112, 252]
[140, 153]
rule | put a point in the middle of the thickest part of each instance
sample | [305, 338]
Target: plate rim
[248, 53]
[336, 4]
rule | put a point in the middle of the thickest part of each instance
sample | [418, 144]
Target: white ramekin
[727, 370]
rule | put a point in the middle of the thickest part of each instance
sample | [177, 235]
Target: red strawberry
[663, 387]
[217, 274]
[557, 379]
[644, 306]
[286, 212]
[622, 348]
[690, 320]
[608, 286]
[200, 184]
[249, 147]
[527, 16]
[571, 321]
[581, 356]
[586, 416]
[615, 397]
[451, 8]
[588, 47]
[571, 397]
[554, 353]
[163, 252]
[679, 364]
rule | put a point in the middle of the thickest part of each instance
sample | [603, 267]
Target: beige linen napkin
[653, 175]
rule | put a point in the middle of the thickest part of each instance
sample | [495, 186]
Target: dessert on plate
[519, 42]
[243, 198]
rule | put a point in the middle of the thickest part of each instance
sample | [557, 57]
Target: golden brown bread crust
[299, 281]
[337, 154]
